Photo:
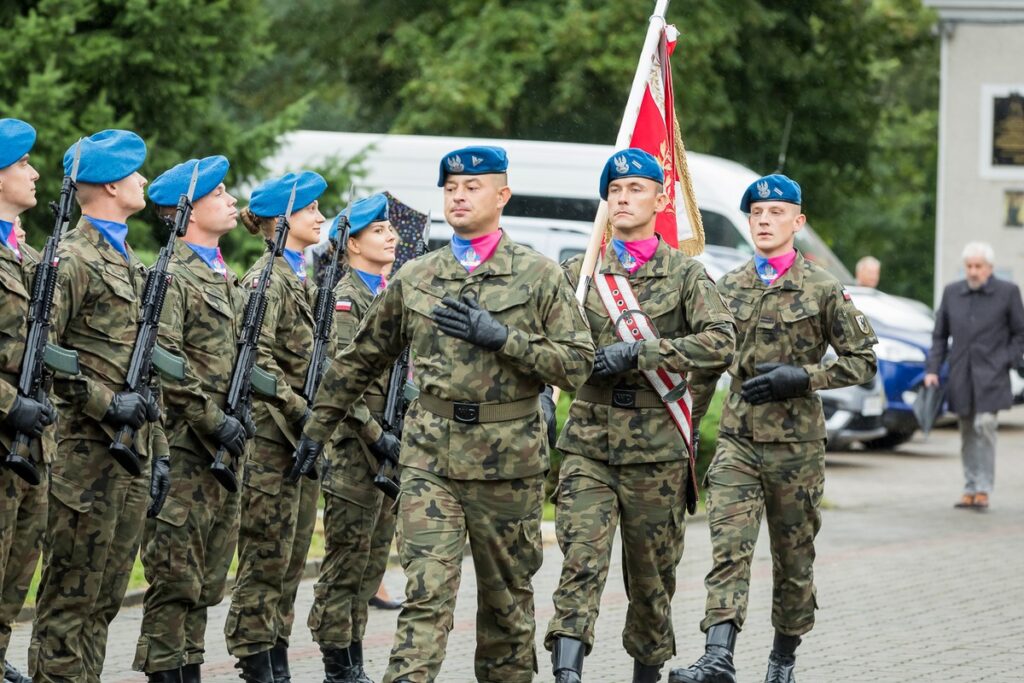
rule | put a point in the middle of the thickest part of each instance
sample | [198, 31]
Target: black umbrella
[928, 406]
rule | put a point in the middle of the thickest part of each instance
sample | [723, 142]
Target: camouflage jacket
[286, 344]
[200, 322]
[792, 321]
[96, 313]
[349, 445]
[696, 332]
[548, 343]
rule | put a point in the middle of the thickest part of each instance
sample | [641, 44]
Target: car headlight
[896, 351]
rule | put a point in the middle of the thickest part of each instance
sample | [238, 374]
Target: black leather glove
[305, 457]
[775, 382]
[387, 447]
[231, 435]
[250, 425]
[547, 406]
[616, 358]
[128, 409]
[159, 485]
[30, 417]
[467, 321]
[152, 405]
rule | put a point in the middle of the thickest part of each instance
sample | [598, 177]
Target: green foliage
[858, 76]
[163, 68]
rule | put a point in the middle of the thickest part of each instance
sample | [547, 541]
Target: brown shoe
[966, 501]
[981, 501]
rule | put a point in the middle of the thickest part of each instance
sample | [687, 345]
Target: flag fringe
[691, 246]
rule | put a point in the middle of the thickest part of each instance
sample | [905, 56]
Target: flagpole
[629, 117]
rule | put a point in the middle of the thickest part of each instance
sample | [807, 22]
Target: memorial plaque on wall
[1008, 131]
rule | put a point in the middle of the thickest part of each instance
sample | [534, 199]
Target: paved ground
[909, 588]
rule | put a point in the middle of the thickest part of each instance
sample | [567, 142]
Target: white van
[554, 187]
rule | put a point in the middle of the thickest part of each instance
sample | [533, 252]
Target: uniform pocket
[265, 482]
[71, 517]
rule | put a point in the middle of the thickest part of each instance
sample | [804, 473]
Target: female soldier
[278, 516]
[358, 520]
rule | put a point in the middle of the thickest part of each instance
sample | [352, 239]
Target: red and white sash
[620, 302]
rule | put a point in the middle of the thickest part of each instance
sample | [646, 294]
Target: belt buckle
[623, 398]
[465, 412]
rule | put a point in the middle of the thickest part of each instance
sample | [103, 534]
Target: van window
[562, 208]
[568, 253]
[720, 231]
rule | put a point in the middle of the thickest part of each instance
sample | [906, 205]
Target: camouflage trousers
[784, 482]
[94, 526]
[359, 524]
[277, 522]
[22, 523]
[501, 520]
[186, 551]
[646, 502]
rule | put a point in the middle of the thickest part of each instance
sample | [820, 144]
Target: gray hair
[979, 249]
[868, 261]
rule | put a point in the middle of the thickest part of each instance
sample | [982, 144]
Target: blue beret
[170, 185]
[271, 198]
[771, 188]
[473, 161]
[361, 214]
[630, 163]
[107, 156]
[16, 139]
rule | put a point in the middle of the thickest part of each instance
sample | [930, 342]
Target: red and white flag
[655, 132]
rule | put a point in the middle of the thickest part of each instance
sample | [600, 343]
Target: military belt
[375, 402]
[617, 397]
[470, 413]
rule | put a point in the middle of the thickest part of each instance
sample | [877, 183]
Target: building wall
[971, 206]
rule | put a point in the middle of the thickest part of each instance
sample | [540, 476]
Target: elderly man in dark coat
[979, 328]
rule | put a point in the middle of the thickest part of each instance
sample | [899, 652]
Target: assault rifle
[323, 311]
[397, 401]
[245, 376]
[40, 357]
[147, 357]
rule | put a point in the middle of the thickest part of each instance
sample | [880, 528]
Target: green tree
[167, 69]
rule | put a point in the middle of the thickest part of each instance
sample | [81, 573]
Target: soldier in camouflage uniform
[188, 547]
[358, 519]
[625, 459]
[22, 506]
[488, 323]
[96, 508]
[278, 515]
[770, 458]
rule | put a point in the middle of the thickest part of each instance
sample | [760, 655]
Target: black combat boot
[782, 660]
[345, 666]
[715, 665]
[12, 675]
[646, 673]
[567, 660]
[190, 674]
[168, 676]
[256, 668]
[279, 663]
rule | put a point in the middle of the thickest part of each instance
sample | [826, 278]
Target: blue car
[904, 329]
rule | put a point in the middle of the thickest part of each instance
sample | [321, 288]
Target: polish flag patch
[343, 305]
